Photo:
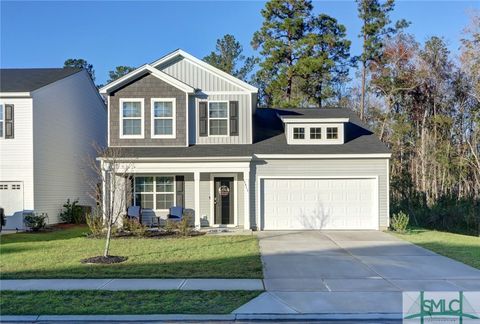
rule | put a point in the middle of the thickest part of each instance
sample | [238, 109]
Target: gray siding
[196, 76]
[244, 126]
[148, 87]
[323, 167]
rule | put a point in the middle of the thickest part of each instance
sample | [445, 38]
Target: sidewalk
[132, 284]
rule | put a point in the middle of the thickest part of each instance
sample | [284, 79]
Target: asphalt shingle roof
[269, 138]
[26, 80]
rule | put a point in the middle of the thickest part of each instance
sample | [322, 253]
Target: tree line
[420, 99]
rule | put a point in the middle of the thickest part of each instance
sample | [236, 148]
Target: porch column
[246, 199]
[196, 182]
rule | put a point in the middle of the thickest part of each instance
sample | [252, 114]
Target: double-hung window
[131, 118]
[163, 118]
[156, 193]
[218, 118]
[2, 120]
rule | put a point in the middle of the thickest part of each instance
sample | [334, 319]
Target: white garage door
[11, 197]
[294, 204]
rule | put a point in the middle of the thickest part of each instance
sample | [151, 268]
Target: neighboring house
[49, 120]
[195, 138]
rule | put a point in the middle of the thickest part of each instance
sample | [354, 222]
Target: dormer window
[298, 133]
[332, 132]
[315, 133]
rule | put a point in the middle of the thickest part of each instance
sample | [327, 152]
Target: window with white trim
[298, 133]
[156, 193]
[2, 120]
[315, 133]
[131, 118]
[332, 132]
[218, 118]
[163, 118]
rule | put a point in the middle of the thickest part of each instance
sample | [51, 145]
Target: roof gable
[144, 69]
[176, 57]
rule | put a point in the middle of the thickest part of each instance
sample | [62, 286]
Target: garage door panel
[319, 204]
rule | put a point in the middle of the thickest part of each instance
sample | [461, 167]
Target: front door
[223, 201]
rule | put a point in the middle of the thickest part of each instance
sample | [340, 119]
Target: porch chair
[175, 213]
[135, 212]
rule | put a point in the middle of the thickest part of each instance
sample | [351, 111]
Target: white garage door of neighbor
[11, 196]
[295, 204]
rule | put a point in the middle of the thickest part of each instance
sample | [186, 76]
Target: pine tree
[119, 72]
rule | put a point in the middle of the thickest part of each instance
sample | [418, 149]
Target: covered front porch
[215, 193]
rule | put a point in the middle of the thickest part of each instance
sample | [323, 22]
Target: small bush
[95, 223]
[182, 227]
[399, 222]
[134, 226]
[35, 222]
[73, 213]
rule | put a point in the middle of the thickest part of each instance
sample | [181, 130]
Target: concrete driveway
[350, 272]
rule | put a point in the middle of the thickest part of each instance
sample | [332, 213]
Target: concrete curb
[201, 317]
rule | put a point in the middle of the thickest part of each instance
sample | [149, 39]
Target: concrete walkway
[132, 284]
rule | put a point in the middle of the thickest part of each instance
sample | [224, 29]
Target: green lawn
[58, 254]
[122, 302]
[463, 248]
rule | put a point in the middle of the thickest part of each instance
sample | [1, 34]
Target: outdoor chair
[135, 212]
[175, 213]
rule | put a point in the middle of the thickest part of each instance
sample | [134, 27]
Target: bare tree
[114, 192]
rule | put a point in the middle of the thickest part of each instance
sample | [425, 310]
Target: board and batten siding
[68, 117]
[16, 154]
[322, 168]
[196, 76]
[244, 119]
[146, 88]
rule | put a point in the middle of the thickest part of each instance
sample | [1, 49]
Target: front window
[155, 192]
[2, 121]
[315, 133]
[332, 132]
[299, 133]
[218, 118]
[163, 118]
[131, 118]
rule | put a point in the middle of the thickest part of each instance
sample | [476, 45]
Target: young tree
[375, 28]
[281, 41]
[113, 173]
[80, 64]
[327, 65]
[119, 72]
[228, 57]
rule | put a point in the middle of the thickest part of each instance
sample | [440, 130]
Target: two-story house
[49, 121]
[195, 138]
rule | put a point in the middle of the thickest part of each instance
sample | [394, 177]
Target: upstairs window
[332, 132]
[218, 118]
[131, 118]
[163, 118]
[298, 133]
[315, 133]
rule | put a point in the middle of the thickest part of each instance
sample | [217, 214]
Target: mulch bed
[104, 260]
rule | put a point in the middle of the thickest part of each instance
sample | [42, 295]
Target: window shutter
[180, 190]
[233, 118]
[203, 119]
[9, 124]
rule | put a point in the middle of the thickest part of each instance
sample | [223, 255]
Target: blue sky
[109, 33]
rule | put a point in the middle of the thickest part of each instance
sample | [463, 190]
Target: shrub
[133, 226]
[183, 227]
[35, 222]
[399, 222]
[73, 213]
[95, 223]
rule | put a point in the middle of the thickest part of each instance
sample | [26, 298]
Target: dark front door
[223, 201]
